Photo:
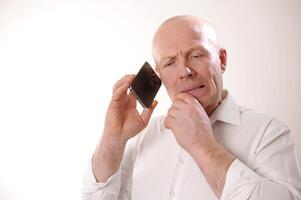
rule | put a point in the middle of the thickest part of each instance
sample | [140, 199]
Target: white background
[59, 60]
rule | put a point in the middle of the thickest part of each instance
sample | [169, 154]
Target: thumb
[147, 113]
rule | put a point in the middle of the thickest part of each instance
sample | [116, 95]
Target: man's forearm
[214, 161]
[107, 158]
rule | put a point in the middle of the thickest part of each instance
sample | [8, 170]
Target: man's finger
[132, 97]
[179, 103]
[167, 122]
[185, 97]
[121, 91]
[125, 79]
[172, 111]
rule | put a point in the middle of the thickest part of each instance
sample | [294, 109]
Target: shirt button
[172, 195]
[181, 160]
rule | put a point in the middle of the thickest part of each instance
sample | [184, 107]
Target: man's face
[187, 61]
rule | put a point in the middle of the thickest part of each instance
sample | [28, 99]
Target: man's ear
[223, 59]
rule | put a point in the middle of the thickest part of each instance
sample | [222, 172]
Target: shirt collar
[228, 111]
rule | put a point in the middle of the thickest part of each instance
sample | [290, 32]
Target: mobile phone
[146, 85]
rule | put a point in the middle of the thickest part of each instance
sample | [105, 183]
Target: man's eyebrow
[197, 48]
[167, 58]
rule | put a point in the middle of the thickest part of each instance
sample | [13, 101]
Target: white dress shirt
[155, 167]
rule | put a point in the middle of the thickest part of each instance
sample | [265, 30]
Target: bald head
[176, 30]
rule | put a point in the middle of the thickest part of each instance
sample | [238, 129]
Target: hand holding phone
[123, 121]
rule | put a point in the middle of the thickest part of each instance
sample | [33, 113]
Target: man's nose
[186, 72]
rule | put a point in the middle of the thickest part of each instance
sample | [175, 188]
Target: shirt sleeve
[274, 173]
[93, 190]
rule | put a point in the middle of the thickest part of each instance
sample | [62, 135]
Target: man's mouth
[194, 88]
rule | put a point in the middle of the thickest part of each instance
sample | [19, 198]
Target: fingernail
[155, 103]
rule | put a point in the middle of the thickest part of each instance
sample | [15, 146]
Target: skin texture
[190, 63]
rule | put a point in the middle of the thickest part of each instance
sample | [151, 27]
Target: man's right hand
[122, 122]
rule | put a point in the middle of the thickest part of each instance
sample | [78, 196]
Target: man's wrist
[209, 152]
[107, 156]
[214, 161]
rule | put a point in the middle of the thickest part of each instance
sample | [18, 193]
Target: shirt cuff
[240, 181]
[111, 186]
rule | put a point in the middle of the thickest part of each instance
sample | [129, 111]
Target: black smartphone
[146, 85]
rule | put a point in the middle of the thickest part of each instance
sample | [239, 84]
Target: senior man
[205, 147]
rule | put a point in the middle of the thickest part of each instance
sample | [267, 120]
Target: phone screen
[145, 85]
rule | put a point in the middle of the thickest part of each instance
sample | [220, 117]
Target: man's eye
[196, 56]
[169, 64]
